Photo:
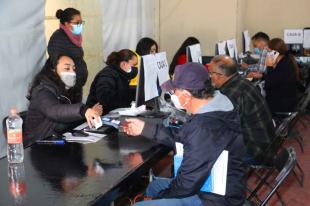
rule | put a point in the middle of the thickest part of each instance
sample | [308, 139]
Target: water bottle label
[15, 136]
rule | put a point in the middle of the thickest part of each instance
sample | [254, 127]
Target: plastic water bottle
[15, 149]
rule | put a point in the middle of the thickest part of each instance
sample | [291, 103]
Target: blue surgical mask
[257, 51]
[77, 29]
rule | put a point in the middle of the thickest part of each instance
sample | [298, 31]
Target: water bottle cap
[13, 111]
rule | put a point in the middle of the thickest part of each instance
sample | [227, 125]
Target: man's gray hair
[225, 64]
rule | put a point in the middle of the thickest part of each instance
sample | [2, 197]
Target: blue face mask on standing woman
[77, 29]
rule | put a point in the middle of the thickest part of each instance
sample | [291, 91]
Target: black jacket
[60, 43]
[281, 86]
[50, 111]
[204, 137]
[111, 88]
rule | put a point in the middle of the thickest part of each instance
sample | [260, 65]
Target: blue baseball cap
[190, 76]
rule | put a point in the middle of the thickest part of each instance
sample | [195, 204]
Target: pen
[58, 142]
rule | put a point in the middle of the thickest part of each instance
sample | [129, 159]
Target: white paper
[219, 174]
[179, 149]
[163, 68]
[195, 51]
[247, 40]
[150, 77]
[293, 36]
[133, 111]
[92, 138]
[306, 41]
[232, 48]
[221, 46]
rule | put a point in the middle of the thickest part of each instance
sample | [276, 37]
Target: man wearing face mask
[260, 43]
[68, 40]
[111, 85]
[51, 110]
[214, 126]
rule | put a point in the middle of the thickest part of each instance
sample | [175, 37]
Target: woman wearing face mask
[111, 85]
[68, 40]
[51, 110]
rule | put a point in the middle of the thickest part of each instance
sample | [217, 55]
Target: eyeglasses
[78, 23]
[211, 73]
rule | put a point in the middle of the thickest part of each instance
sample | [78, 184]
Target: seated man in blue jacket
[214, 126]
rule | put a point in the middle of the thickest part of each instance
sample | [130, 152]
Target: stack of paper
[133, 111]
[91, 138]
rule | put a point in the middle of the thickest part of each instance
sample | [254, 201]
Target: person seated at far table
[111, 85]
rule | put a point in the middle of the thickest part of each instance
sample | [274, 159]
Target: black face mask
[133, 73]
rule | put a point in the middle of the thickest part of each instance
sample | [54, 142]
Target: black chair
[284, 164]
[23, 115]
[281, 135]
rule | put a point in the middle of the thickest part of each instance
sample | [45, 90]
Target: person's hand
[244, 66]
[91, 116]
[98, 108]
[257, 75]
[270, 61]
[133, 127]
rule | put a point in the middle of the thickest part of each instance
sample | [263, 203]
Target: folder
[217, 180]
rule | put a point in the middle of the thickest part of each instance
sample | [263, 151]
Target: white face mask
[129, 70]
[175, 100]
[69, 78]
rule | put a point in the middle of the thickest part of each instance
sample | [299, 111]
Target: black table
[71, 174]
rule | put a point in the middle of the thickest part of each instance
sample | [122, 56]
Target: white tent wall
[22, 49]
[125, 22]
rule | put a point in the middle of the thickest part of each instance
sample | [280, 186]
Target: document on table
[91, 138]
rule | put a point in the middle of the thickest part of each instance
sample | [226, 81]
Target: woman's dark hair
[279, 45]
[48, 72]
[144, 46]
[115, 58]
[67, 14]
[182, 50]
[205, 93]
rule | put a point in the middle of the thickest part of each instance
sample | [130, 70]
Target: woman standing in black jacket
[111, 85]
[68, 40]
[51, 110]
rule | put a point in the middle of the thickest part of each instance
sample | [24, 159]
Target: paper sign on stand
[195, 51]
[221, 46]
[306, 41]
[293, 36]
[232, 48]
[163, 68]
[247, 40]
[150, 76]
